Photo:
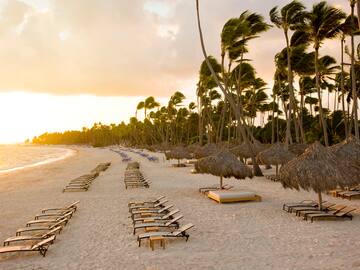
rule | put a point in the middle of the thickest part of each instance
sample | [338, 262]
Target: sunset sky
[68, 63]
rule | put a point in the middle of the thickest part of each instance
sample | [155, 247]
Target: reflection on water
[13, 157]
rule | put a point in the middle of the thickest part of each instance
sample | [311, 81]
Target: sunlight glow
[25, 115]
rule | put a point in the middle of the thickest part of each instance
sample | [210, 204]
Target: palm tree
[140, 106]
[323, 22]
[290, 17]
[149, 104]
[227, 94]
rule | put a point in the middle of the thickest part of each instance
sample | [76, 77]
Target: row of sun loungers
[134, 178]
[158, 219]
[40, 233]
[143, 154]
[348, 193]
[309, 210]
[83, 183]
[124, 156]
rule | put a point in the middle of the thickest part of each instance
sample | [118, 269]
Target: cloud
[120, 47]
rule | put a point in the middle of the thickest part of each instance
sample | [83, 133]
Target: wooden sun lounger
[34, 237]
[46, 227]
[163, 218]
[70, 206]
[41, 247]
[158, 199]
[157, 205]
[350, 195]
[49, 220]
[152, 211]
[180, 232]
[55, 214]
[288, 206]
[325, 207]
[342, 214]
[171, 223]
[332, 208]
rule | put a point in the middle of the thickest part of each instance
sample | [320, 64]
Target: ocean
[16, 157]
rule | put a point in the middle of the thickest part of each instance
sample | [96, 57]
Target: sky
[66, 64]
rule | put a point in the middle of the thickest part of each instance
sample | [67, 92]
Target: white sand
[253, 235]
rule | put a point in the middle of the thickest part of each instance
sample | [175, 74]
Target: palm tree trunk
[353, 79]
[358, 10]
[322, 117]
[273, 121]
[291, 92]
[229, 98]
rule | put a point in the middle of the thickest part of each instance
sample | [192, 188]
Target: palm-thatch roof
[206, 150]
[275, 155]
[223, 164]
[317, 169]
[348, 149]
[348, 154]
[178, 153]
[244, 151]
[298, 148]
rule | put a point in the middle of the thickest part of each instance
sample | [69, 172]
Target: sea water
[16, 157]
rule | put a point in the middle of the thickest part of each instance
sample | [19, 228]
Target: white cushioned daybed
[224, 196]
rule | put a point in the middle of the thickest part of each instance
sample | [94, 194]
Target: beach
[250, 235]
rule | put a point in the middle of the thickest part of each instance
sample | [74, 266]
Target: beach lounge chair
[324, 207]
[162, 218]
[180, 232]
[157, 205]
[70, 206]
[34, 237]
[288, 206]
[158, 199]
[152, 211]
[49, 220]
[350, 194]
[332, 208]
[341, 214]
[171, 223]
[53, 215]
[45, 227]
[41, 247]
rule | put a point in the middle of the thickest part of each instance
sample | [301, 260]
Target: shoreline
[69, 153]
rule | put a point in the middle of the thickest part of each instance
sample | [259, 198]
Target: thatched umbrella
[178, 153]
[275, 155]
[244, 151]
[206, 150]
[317, 169]
[298, 148]
[348, 153]
[223, 164]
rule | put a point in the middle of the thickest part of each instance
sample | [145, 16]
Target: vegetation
[235, 105]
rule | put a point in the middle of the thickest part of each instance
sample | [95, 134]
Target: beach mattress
[224, 196]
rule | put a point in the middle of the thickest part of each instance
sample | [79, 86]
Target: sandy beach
[254, 235]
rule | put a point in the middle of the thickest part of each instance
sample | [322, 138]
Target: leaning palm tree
[228, 95]
[323, 22]
[290, 17]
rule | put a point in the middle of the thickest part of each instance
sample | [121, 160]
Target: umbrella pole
[221, 182]
[277, 169]
[320, 200]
